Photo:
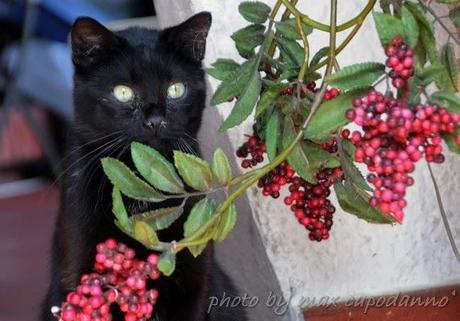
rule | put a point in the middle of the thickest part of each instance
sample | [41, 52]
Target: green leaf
[221, 168]
[410, 26]
[356, 76]
[318, 158]
[297, 158]
[454, 15]
[194, 170]
[224, 69]
[268, 99]
[447, 100]
[288, 29]
[292, 49]
[234, 87]
[449, 60]
[156, 169]
[351, 171]
[200, 214]
[448, 1]
[450, 140]
[226, 224]
[272, 134]
[430, 74]
[128, 183]
[254, 11]
[357, 204]
[249, 37]
[119, 210]
[159, 219]
[167, 263]
[331, 116]
[387, 27]
[245, 103]
[323, 52]
[145, 234]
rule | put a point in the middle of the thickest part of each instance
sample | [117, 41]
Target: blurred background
[35, 109]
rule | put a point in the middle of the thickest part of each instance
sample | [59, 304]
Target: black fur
[148, 61]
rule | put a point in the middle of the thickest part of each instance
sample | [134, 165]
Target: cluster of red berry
[400, 60]
[310, 202]
[255, 148]
[272, 182]
[119, 278]
[396, 136]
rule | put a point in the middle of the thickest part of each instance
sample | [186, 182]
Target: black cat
[132, 85]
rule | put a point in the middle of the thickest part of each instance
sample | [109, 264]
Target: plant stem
[327, 28]
[286, 14]
[278, 160]
[444, 215]
[339, 49]
[304, 67]
[441, 23]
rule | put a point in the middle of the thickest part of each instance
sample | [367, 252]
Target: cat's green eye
[123, 93]
[176, 90]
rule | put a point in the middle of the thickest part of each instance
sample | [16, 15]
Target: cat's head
[140, 84]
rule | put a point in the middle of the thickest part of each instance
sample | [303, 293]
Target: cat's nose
[156, 123]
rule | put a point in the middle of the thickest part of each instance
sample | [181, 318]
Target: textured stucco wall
[359, 258]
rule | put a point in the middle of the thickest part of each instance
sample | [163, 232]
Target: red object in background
[18, 143]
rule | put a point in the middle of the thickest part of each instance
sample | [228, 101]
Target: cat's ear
[190, 36]
[90, 41]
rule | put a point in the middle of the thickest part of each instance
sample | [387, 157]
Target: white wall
[359, 258]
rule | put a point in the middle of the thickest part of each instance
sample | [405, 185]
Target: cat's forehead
[137, 36]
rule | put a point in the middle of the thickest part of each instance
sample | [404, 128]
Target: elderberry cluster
[400, 60]
[311, 205]
[255, 148]
[118, 278]
[272, 182]
[396, 136]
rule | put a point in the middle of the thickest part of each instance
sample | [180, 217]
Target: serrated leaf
[272, 134]
[320, 54]
[356, 76]
[221, 168]
[429, 74]
[195, 171]
[449, 60]
[268, 99]
[226, 224]
[200, 214]
[245, 103]
[167, 263]
[156, 169]
[354, 203]
[234, 87]
[254, 11]
[410, 26]
[292, 49]
[249, 37]
[145, 234]
[454, 15]
[128, 183]
[297, 158]
[119, 210]
[159, 219]
[331, 116]
[387, 27]
[351, 171]
[447, 100]
[288, 29]
[224, 69]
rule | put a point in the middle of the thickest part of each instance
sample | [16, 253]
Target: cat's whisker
[75, 163]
